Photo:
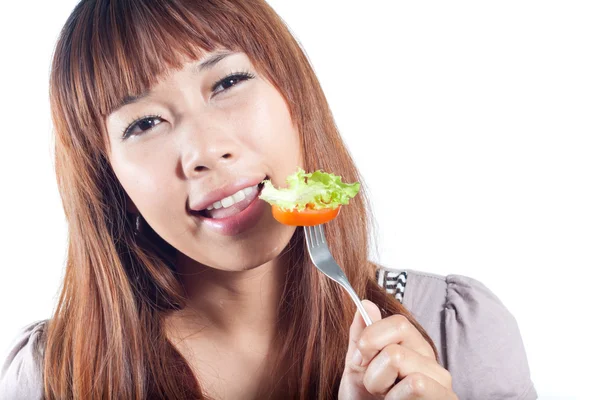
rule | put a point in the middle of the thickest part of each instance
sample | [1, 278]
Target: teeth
[231, 200]
[227, 201]
[239, 196]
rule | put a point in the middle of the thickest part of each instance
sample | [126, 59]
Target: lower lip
[238, 223]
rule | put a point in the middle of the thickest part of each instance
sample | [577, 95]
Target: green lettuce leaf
[320, 189]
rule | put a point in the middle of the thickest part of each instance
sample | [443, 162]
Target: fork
[323, 260]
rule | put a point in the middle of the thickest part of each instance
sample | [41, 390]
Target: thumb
[356, 329]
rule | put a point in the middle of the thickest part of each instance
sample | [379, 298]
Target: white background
[476, 125]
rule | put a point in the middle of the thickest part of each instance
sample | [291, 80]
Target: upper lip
[213, 196]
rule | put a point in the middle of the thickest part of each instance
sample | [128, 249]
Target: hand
[391, 360]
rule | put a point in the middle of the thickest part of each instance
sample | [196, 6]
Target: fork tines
[315, 235]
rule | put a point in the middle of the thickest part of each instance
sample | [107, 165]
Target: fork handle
[346, 285]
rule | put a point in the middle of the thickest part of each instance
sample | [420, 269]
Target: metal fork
[323, 260]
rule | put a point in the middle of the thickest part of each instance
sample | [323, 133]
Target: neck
[240, 306]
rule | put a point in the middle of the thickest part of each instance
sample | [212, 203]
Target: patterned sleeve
[393, 281]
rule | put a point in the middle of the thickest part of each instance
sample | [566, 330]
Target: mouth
[231, 205]
[235, 215]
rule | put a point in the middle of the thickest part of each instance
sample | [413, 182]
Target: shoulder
[21, 373]
[477, 337]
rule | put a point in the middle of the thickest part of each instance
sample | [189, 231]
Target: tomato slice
[306, 217]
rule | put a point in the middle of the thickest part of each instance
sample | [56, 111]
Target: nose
[203, 151]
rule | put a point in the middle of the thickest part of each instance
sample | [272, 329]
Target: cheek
[146, 180]
[273, 135]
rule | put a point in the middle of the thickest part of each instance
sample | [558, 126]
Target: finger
[419, 386]
[397, 361]
[396, 329]
[357, 327]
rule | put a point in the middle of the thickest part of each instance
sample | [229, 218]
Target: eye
[142, 125]
[230, 81]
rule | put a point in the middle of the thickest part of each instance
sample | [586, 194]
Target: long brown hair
[106, 338]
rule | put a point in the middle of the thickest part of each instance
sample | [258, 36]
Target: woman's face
[195, 144]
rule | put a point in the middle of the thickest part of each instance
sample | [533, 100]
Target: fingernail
[357, 358]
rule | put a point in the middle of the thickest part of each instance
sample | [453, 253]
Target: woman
[163, 108]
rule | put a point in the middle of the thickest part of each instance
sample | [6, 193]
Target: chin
[247, 254]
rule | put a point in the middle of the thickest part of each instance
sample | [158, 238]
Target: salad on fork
[311, 200]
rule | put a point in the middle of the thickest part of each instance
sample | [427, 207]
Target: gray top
[477, 338]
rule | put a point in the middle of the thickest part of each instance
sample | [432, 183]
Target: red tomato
[306, 217]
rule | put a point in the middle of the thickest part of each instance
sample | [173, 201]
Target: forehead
[119, 50]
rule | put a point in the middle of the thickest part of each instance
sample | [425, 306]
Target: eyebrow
[211, 61]
[204, 65]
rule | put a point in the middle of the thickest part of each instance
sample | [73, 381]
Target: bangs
[115, 50]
